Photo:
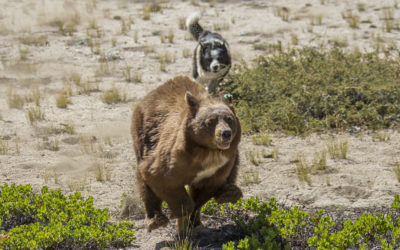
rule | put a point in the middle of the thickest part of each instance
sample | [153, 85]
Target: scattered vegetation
[186, 53]
[62, 101]
[316, 20]
[294, 38]
[319, 161]
[251, 177]
[381, 136]
[33, 40]
[338, 149]
[3, 147]
[305, 90]
[361, 7]
[103, 171]
[77, 183]
[221, 26]
[303, 170]
[34, 115]
[171, 36]
[352, 19]
[397, 170]
[14, 100]
[389, 20]
[182, 23]
[50, 219]
[253, 155]
[165, 58]
[261, 139]
[282, 12]
[113, 95]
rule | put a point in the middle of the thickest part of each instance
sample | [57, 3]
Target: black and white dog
[212, 59]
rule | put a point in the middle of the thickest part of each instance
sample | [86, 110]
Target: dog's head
[214, 53]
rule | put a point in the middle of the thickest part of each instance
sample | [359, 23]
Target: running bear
[184, 137]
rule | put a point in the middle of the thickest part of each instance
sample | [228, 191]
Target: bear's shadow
[205, 237]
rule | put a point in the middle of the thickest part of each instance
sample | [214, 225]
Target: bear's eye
[211, 122]
[229, 120]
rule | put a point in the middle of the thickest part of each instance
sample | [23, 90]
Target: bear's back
[161, 111]
[170, 95]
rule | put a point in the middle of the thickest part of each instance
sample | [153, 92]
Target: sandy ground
[47, 46]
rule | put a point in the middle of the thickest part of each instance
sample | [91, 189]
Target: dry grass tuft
[113, 95]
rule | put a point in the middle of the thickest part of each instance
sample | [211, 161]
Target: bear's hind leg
[154, 216]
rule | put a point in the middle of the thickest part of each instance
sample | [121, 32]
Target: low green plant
[50, 219]
[272, 227]
[306, 90]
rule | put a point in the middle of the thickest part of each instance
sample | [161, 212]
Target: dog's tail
[192, 23]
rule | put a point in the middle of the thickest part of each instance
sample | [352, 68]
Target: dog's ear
[227, 98]
[192, 101]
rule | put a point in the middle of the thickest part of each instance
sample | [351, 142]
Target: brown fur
[179, 131]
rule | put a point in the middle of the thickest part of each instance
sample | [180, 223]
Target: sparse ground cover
[71, 76]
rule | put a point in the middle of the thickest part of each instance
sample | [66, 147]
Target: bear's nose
[226, 134]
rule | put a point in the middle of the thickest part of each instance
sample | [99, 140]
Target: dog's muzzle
[215, 66]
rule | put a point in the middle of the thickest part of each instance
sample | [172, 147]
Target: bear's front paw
[159, 220]
[229, 193]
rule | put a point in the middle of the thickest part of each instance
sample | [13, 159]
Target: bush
[305, 90]
[50, 220]
[272, 227]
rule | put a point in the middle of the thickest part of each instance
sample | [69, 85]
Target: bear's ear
[192, 101]
[226, 97]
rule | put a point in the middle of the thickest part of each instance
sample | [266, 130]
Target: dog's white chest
[213, 162]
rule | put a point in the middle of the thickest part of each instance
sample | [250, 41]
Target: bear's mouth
[223, 144]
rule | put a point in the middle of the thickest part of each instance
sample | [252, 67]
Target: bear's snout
[223, 136]
[226, 134]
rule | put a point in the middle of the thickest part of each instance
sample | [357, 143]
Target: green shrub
[271, 227]
[305, 90]
[51, 220]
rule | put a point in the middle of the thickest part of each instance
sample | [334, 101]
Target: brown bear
[184, 137]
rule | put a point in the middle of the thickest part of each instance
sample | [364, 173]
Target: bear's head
[212, 122]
